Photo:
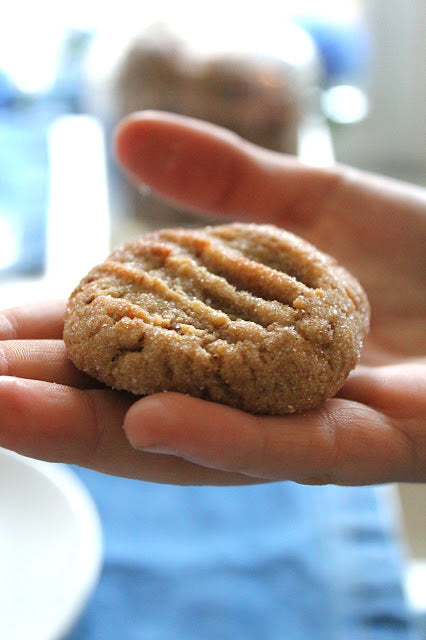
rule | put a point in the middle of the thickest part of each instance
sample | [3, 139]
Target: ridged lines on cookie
[277, 249]
[207, 258]
[202, 321]
[217, 293]
[308, 265]
[205, 332]
[321, 273]
[239, 270]
[148, 283]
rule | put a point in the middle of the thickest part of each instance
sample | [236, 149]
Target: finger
[399, 389]
[35, 320]
[342, 443]
[207, 168]
[60, 424]
[41, 360]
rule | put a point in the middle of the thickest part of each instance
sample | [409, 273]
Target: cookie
[242, 314]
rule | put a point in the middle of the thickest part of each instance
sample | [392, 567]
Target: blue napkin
[268, 562]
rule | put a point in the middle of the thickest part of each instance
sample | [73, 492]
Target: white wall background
[394, 135]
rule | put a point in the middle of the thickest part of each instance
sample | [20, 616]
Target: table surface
[271, 561]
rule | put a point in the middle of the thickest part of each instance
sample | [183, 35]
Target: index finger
[35, 321]
[209, 169]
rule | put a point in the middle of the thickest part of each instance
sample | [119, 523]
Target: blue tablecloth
[268, 562]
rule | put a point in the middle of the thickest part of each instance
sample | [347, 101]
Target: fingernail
[154, 449]
[143, 424]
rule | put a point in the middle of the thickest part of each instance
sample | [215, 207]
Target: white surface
[415, 585]
[395, 130]
[50, 548]
[315, 143]
[78, 217]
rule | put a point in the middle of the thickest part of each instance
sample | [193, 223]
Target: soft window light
[345, 104]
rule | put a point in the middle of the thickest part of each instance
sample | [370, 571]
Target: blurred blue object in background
[344, 46]
[24, 184]
[23, 188]
[345, 51]
[25, 120]
[8, 91]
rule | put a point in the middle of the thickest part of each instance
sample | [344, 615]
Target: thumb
[343, 442]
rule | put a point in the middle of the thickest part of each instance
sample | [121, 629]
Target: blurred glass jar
[260, 88]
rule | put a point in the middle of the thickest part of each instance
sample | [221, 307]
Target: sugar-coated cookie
[243, 314]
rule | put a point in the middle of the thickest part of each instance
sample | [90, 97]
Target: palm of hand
[386, 252]
[373, 432]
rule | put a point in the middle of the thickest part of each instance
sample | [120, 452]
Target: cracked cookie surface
[243, 314]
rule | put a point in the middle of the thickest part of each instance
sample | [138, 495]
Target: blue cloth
[268, 562]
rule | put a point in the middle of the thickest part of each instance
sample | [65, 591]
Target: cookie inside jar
[252, 78]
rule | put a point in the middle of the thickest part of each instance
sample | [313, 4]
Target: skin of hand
[374, 431]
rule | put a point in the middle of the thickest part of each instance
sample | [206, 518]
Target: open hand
[374, 431]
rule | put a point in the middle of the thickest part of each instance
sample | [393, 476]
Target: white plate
[50, 548]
